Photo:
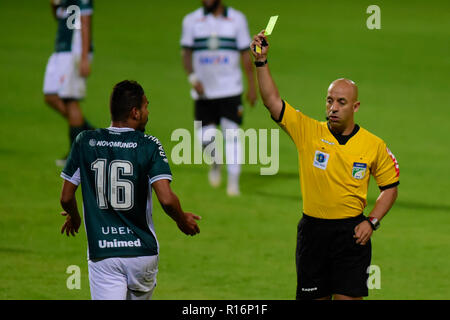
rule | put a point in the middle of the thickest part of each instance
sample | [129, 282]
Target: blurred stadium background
[247, 244]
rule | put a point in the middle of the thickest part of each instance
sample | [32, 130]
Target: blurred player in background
[215, 41]
[336, 159]
[69, 65]
[118, 168]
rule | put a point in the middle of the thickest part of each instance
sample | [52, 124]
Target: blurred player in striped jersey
[215, 41]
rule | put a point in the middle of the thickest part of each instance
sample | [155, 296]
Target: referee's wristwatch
[374, 223]
[259, 64]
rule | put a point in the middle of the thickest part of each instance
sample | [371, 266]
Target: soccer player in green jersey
[118, 167]
[69, 65]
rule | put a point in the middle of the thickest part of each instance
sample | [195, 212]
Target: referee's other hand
[363, 232]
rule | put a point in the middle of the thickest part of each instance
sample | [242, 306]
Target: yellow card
[268, 30]
[270, 25]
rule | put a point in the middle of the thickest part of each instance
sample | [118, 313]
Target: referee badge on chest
[321, 160]
[359, 170]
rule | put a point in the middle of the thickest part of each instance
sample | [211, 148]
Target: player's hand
[85, 68]
[252, 96]
[258, 41]
[70, 226]
[188, 225]
[363, 232]
[198, 87]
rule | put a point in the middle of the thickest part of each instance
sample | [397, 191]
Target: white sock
[203, 137]
[208, 135]
[233, 149]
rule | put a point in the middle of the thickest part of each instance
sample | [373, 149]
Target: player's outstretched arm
[69, 205]
[269, 92]
[171, 205]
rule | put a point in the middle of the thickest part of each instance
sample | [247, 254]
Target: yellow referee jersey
[334, 177]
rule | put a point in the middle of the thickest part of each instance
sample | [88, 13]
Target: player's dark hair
[125, 96]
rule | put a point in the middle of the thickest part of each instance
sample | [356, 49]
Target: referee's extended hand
[257, 41]
[363, 232]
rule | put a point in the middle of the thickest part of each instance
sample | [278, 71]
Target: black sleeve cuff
[392, 185]
[281, 113]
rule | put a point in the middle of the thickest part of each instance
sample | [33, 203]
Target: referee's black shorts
[328, 259]
[209, 111]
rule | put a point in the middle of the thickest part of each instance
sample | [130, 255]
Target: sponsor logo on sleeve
[397, 169]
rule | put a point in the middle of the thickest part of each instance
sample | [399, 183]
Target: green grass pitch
[246, 248]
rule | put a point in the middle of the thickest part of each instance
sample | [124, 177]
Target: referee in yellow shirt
[336, 159]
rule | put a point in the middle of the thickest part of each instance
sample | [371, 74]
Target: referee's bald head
[345, 87]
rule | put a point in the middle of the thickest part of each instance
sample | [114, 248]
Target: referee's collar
[225, 12]
[341, 138]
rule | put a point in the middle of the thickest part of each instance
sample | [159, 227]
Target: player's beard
[142, 125]
[212, 7]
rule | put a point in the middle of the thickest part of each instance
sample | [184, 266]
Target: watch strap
[374, 223]
[260, 63]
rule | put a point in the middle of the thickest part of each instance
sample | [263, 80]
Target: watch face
[375, 223]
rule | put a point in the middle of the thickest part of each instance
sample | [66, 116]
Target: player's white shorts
[62, 76]
[123, 278]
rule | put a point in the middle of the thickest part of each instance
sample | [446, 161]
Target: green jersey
[116, 168]
[68, 37]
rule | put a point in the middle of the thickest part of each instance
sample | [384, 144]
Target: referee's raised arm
[269, 92]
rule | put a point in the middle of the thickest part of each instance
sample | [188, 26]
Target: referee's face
[341, 104]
